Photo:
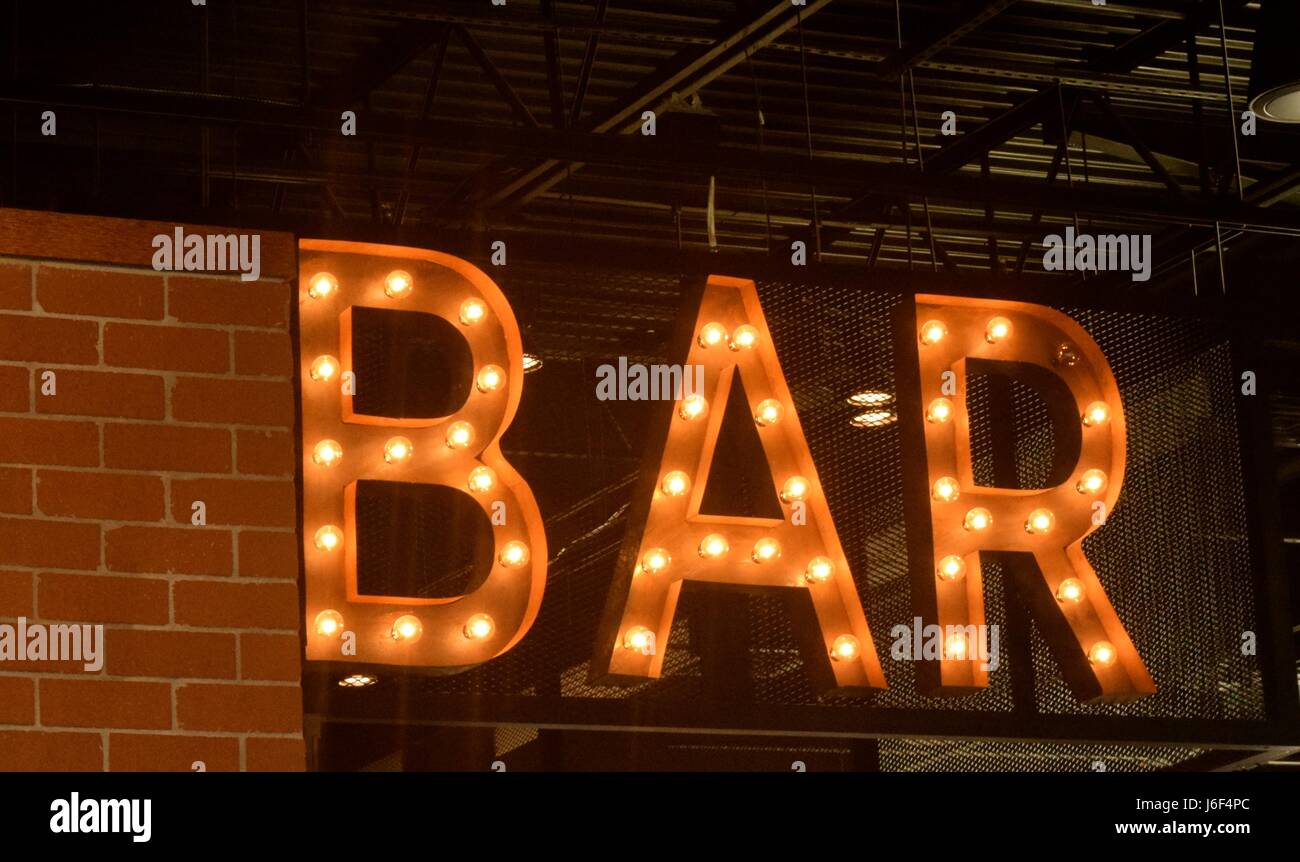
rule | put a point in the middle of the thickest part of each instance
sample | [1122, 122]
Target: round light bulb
[1040, 521]
[398, 283]
[478, 627]
[328, 623]
[324, 368]
[676, 483]
[1102, 653]
[712, 334]
[766, 550]
[397, 450]
[845, 648]
[951, 568]
[327, 453]
[795, 488]
[818, 570]
[459, 435]
[490, 378]
[407, 628]
[472, 311]
[945, 489]
[328, 538]
[1096, 413]
[1091, 482]
[954, 647]
[481, 479]
[939, 411]
[998, 329]
[769, 412]
[713, 546]
[638, 639]
[514, 555]
[693, 407]
[655, 560]
[743, 338]
[978, 519]
[358, 680]
[322, 284]
[1070, 590]
[932, 332]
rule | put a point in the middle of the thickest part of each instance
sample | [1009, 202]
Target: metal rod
[1232, 118]
[920, 161]
[807, 118]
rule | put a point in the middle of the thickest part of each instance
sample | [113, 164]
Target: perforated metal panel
[1173, 558]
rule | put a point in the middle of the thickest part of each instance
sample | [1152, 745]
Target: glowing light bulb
[1102, 653]
[324, 368]
[693, 407]
[676, 483]
[818, 570]
[869, 398]
[978, 519]
[655, 560]
[1096, 413]
[328, 623]
[713, 546]
[358, 680]
[766, 550]
[743, 338]
[939, 411]
[769, 412]
[514, 555]
[1091, 482]
[1040, 521]
[639, 639]
[490, 378]
[795, 488]
[397, 450]
[712, 334]
[328, 537]
[951, 568]
[932, 332]
[998, 329]
[1070, 590]
[407, 628]
[954, 646]
[327, 453]
[472, 311]
[459, 435]
[945, 489]
[478, 627]
[398, 283]
[322, 284]
[845, 648]
[481, 479]
[874, 419]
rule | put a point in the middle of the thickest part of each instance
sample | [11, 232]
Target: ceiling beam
[684, 74]
[969, 18]
[636, 153]
[1160, 37]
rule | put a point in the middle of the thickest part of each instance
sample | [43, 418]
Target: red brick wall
[170, 389]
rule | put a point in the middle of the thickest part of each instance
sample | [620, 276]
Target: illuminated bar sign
[669, 541]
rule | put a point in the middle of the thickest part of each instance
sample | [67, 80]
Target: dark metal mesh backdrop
[1173, 556]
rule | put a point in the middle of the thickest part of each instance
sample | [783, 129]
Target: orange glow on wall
[1047, 350]
[460, 450]
[670, 542]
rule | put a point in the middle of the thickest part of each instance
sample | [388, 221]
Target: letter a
[666, 544]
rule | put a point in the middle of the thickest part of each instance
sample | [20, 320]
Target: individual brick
[100, 292]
